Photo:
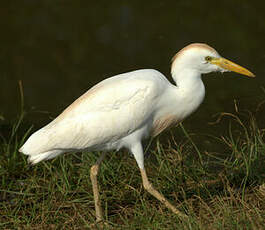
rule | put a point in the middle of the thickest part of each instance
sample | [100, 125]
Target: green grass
[222, 189]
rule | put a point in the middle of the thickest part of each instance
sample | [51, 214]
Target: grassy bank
[222, 189]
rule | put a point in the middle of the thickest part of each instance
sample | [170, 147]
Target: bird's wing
[112, 109]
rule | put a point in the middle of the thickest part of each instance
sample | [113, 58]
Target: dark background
[59, 49]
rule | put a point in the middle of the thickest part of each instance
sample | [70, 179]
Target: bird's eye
[208, 58]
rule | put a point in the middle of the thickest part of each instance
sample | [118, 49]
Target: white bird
[123, 110]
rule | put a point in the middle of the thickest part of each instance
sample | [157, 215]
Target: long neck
[186, 78]
[190, 89]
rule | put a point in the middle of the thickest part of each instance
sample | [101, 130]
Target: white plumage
[123, 110]
[117, 112]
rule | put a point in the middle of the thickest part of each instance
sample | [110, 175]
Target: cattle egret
[123, 110]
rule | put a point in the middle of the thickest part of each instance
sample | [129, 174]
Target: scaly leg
[149, 187]
[93, 176]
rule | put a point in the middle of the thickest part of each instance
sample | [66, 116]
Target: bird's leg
[149, 187]
[93, 176]
[137, 151]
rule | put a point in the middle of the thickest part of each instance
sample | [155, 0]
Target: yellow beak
[231, 66]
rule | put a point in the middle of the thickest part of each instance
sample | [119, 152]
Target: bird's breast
[163, 123]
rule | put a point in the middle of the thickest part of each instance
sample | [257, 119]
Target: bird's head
[204, 59]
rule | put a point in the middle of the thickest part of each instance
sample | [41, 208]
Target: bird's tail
[40, 146]
[36, 158]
